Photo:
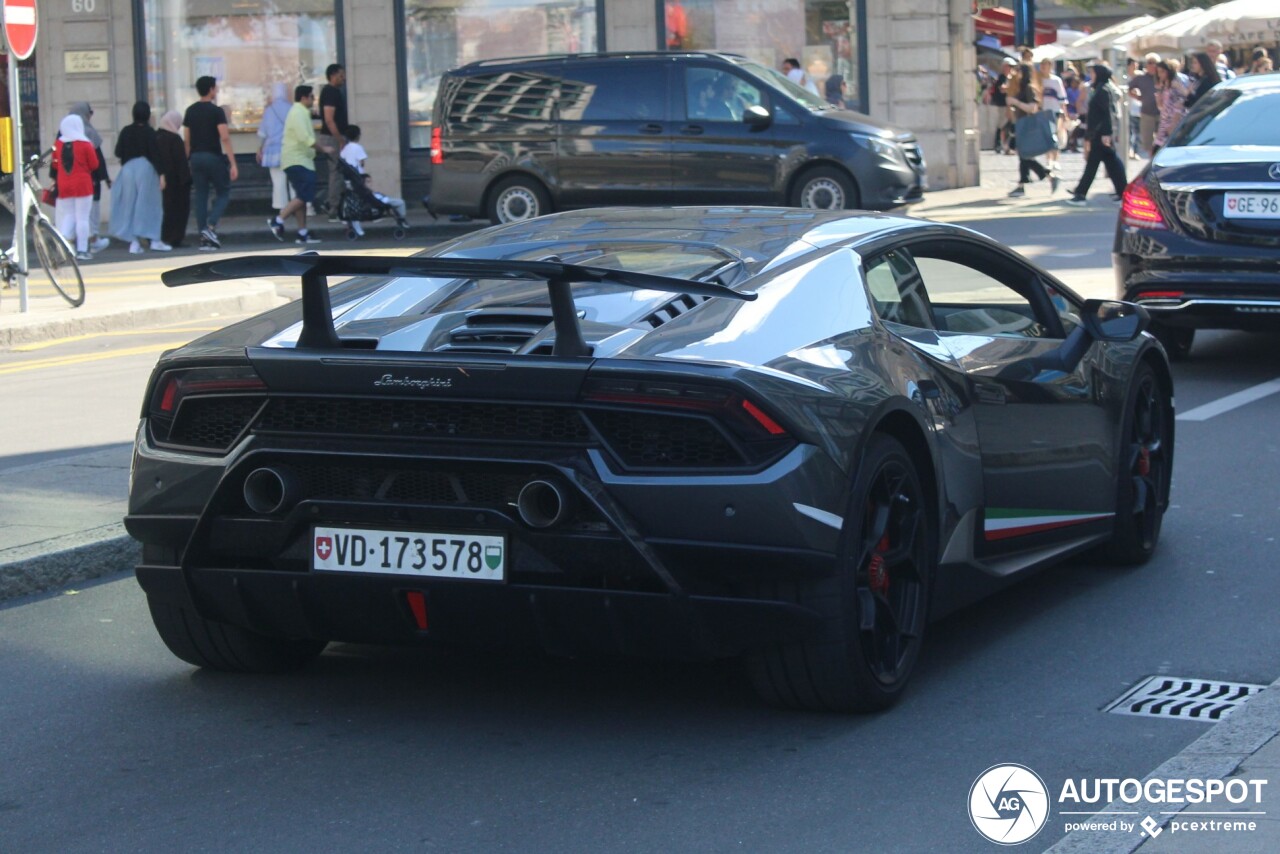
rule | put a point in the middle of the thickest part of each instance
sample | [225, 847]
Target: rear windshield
[1231, 117]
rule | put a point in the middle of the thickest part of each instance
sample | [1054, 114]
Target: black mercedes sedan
[1198, 236]
[779, 435]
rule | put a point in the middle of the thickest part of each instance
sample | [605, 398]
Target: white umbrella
[1058, 51]
[1152, 36]
[1103, 39]
[1239, 22]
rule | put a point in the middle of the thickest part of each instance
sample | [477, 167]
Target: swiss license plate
[473, 557]
[1251, 206]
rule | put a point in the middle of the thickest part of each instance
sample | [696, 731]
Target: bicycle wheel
[58, 260]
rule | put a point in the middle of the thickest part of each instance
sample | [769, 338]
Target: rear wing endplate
[317, 311]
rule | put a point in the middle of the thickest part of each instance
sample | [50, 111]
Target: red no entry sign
[20, 27]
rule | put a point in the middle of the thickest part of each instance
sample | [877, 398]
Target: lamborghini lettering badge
[410, 382]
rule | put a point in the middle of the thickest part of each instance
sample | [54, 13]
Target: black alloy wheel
[1146, 468]
[873, 611]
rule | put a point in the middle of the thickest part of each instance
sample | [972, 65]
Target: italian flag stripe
[1002, 523]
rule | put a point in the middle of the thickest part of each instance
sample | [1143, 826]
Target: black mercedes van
[517, 138]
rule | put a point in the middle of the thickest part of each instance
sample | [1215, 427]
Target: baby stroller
[359, 204]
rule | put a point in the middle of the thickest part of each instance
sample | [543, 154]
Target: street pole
[1024, 22]
[19, 185]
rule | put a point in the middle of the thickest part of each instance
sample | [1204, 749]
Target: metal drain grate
[1187, 699]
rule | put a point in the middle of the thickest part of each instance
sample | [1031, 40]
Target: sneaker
[277, 228]
[135, 248]
[1077, 201]
[210, 237]
[1054, 181]
[307, 238]
[83, 256]
[160, 246]
[206, 246]
[1018, 192]
[98, 244]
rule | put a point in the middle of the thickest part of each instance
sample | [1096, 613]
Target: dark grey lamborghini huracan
[787, 436]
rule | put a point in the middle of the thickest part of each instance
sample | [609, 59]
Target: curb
[262, 298]
[1216, 754]
[65, 560]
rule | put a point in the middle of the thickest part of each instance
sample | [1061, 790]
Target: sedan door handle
[691, 129]
[652, 127]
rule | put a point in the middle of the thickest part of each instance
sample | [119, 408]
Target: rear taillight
[655, 425]
[437, 147]
[1138, 208]
[229, 396]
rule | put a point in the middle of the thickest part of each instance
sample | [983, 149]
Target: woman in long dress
[136, 208]
[175, 172]
[1172, 89]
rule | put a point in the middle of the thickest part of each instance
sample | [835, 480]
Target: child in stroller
[360, 202]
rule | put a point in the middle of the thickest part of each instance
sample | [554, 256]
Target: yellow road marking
[123, 333]
[62, 361]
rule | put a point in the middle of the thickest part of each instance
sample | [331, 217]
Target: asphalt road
[110, 743]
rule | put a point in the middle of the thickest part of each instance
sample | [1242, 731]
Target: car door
[1047, 447]
[614, 134]
[716, 157]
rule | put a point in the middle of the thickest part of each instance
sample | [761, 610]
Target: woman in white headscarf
[100, 176]
[74, 162]
[271, 132]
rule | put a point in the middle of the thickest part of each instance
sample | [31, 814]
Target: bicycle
[56, 255]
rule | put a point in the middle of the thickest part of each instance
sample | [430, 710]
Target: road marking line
[61, 361]
[121, 333]
[1231, 401]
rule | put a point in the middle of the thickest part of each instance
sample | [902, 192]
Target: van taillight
[437, 148]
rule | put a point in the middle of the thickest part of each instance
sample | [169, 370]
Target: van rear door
[614, 134]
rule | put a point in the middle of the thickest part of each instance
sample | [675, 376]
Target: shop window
[248, 47]
[444, 34]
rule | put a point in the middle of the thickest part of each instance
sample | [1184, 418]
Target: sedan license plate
[473, 557]
[1251, 206]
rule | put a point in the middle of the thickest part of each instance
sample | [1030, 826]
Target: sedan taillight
[1138, 208]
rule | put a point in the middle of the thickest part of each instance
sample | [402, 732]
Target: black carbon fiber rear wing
[317, 312]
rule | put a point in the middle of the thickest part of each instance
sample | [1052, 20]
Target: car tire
[1177, 340]
[1145, 470]
[220, 646]
[518, 198]
[873, 610]
[824, 188]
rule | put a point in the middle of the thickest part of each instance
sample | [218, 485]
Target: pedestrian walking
[271, 132]
[213, 162]
[1053, 100]
[835, 90]
[1032, 130]
[1143, 87]
[1100, 138]
[1172, 88]
[74, 161]
[176, 172]
[999, 100]
[791, 68]
[333, 132]
[297, 155]
[96, 241]
[137, 210]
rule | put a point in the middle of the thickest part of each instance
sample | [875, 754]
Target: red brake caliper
[877, 574]
[1144, 462]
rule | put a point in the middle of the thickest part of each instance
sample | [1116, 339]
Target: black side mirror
[756, 117]
[1114, 320]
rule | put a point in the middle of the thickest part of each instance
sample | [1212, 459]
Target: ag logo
[1008, 804]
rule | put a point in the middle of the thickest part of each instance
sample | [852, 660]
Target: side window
[1068, 314]
[715, 95]
[615, 91]
[897, 294]
[966, 299]
[526, 95]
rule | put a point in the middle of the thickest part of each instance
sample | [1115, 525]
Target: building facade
[908, 62]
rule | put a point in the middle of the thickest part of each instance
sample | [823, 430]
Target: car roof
[553, 58]
[756, 235]
[1253, 82]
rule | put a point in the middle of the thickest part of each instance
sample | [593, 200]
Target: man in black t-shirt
[333, 131]
[213, 163]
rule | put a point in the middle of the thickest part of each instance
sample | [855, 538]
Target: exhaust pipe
[542, 504]
[269, 490]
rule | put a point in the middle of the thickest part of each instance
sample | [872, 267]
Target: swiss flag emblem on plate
[324, 547]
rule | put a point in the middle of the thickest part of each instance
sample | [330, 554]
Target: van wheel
[516, 199]
[826, 189]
